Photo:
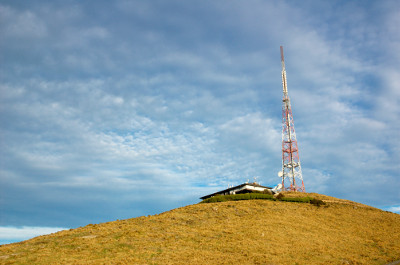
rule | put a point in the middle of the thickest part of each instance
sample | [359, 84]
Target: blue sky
[117, 109]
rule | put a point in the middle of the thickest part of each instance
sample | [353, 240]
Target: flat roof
[232, 188]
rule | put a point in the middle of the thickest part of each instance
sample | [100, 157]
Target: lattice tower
[292, 177]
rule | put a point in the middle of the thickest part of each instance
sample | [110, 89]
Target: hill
[233, 232]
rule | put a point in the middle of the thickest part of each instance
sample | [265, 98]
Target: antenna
[282, 57]
[284, 83]
[291, 168]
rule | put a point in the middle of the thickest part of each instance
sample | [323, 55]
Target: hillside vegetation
[232, 232]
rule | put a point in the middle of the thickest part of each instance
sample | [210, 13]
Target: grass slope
[233, 232]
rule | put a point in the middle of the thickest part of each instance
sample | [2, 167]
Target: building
[242, 188]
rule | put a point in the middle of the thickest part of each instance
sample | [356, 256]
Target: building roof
[254, 184]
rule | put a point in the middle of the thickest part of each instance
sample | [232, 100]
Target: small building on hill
[242, 188]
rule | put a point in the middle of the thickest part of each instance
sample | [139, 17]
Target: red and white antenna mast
[292, 178]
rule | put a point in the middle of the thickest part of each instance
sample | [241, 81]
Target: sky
[118, 109]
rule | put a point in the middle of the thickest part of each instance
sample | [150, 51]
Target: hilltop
[233, 232]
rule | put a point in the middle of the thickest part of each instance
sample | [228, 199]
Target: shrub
[317, 202]
[267, 191]
[262, 196]
[238, 197]
[218, 198]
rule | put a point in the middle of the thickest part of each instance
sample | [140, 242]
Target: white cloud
[395, 209]
[251, 131]
[315, 180]
[9, 234]
[25, 24]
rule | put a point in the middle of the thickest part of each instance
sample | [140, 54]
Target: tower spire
[292, 178]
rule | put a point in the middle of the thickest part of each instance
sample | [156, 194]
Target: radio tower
[292, 178]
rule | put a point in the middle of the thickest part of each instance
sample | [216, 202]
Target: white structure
[242, 188]
[277, 189]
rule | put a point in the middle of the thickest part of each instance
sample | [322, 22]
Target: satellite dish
[280, 174]
[277, 188]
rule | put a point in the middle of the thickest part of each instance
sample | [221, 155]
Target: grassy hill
[233, 232]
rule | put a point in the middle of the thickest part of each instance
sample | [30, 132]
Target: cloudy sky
[117, 109]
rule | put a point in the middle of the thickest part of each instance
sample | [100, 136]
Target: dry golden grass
[234, 232]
